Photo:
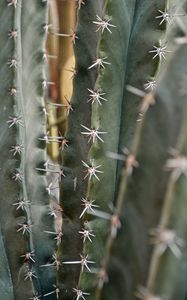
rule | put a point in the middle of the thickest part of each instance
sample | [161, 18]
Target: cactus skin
[127, 33]
[27, 102]
[143, 203]
[6, 286]
[143, 194]
[169, 278]
[126, 262]
[73, 191]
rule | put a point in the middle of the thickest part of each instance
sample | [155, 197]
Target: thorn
[46, 27]
[147, 102]
[56, 291]
[24, 228]
[35, 297]
[49, 188]
[131, 163]
[117, 156]
[28, 256]
[100, 214]
[46, 83]
[59, 172]
[15, 121]
[47, 56]
[51, 139]
[58, 236]
[140, 117]
[12, 62]
[54, 212]
[92, 171]
[88, 206]
[103, 24]
[135, 91]
[68, 106]
[167, 239]
[130, 159]
[178, 165]
[115, 225]
[160, 51]
[44, 110]
[83, 262]
[80, 294]
[30, 275]
[18, 176]
[150, 85]
[86, 234]
[56, 263]
[13, 34]
[12, 91]
[143, 294]
[17, 149]
[22, 204]
[74, 37]
[48, 164]
[96, 97]
[80, 2]
[73, 71]
[166, 16]
[99, 62]
[56, 105]
[13, 3]
[103, 278]
[93, 133]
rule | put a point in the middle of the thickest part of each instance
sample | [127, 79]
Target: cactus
[107, 221]
[25, 204]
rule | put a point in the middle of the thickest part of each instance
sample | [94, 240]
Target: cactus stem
[126, 172]
[167, 205]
